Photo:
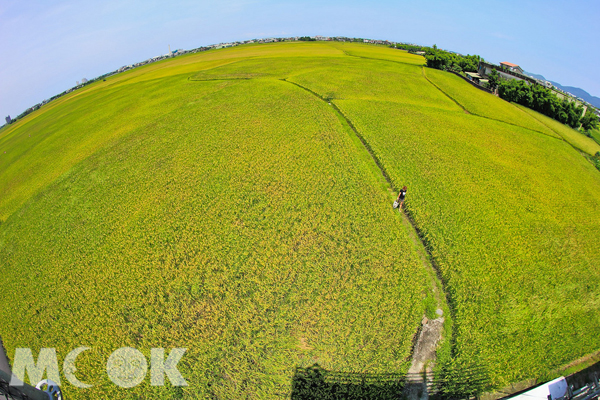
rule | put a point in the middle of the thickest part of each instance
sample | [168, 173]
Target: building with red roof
[512, 67]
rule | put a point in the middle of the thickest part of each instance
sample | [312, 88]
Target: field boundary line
[351, 125]
[445, 94]
[218, 79]
[561, 137]
[499, 120]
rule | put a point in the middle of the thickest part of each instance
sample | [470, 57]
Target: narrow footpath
[430, 333]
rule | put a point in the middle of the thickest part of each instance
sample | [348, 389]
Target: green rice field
[220, 202]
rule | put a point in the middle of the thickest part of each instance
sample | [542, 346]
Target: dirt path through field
[430, 333]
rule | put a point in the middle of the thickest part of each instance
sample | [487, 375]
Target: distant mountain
[536, 76]
[593, 100]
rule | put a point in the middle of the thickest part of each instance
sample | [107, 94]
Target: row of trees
[543, 100]
[447, 61]
[444, 60]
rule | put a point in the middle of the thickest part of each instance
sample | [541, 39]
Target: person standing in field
[401, 197]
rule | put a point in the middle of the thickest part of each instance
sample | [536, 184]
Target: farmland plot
[243, 225]
[511, 218]
[483, 104]
[204, 202]
[570, 135]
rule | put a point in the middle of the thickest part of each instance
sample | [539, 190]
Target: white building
[555, 389]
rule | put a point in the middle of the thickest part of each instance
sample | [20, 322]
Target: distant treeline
[534, 96]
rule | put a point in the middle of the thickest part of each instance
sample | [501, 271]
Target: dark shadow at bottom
[317, 383]
[585, 376]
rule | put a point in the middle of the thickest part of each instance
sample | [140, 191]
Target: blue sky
[48, 45]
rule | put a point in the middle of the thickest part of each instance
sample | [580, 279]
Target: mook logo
[126, 367]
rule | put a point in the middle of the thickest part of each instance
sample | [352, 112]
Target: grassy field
[209, 202]
[511, 219]
[503, 209]
[380, 53]
[238, 219]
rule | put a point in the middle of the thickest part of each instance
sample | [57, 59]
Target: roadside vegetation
[234, 213]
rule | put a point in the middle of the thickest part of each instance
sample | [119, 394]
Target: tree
[435, 58]
[493, 79]
[589, 120]
[456, 68]
[469, 63]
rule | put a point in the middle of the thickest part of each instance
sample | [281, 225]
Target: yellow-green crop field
[570, 135]
[212, 202]
[595, 133]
